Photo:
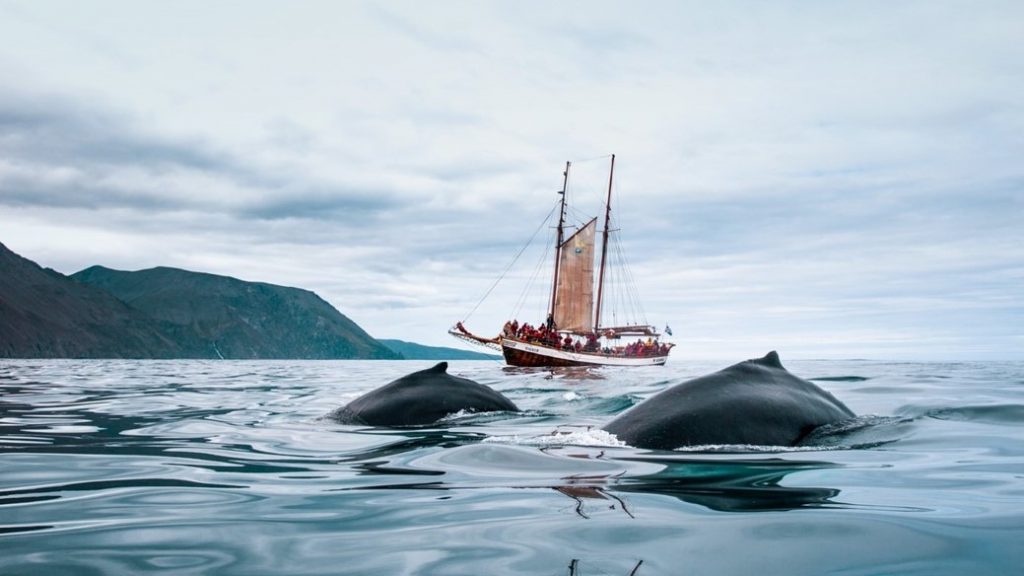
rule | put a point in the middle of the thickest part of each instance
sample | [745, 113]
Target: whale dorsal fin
[770, 359]
[440, 368]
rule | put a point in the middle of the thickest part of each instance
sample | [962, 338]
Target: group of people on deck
[547, 335]
[649, 348]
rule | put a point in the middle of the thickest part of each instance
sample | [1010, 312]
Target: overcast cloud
[838, 179]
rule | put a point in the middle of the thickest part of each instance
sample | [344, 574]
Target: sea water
[226, 467]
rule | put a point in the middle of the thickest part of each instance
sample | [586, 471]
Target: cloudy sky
[828, 179]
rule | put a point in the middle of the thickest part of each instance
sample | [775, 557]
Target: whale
[420, 399]
[756, 402]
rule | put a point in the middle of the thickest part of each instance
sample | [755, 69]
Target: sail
[574, 295]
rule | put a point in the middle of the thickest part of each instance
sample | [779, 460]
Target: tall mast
[604, 248]
[560, 238]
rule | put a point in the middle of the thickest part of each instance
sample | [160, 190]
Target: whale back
[421, 398]
[755, 402]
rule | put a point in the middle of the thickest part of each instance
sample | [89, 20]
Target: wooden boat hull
[518, 353]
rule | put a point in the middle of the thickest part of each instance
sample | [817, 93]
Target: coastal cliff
[167, 313]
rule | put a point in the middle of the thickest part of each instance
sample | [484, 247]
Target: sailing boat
[573, 333]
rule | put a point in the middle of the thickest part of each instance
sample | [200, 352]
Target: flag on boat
[668, 330]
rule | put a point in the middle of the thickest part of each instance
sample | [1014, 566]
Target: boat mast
[604, 248]
[558, 242]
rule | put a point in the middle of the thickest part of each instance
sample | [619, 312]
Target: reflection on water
[576, 568]
[722, 484]
[736, 485]
[115, 467]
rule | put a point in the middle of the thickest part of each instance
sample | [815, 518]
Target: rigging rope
[511, 264]
[541, 264]
[632, 295]
[623, 305]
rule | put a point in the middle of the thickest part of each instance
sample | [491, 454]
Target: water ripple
[124, 467]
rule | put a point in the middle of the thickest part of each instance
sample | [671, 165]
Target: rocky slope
[167, 313]
[239, 319]
[44, 314]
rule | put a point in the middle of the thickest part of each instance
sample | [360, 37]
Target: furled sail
[574, 295]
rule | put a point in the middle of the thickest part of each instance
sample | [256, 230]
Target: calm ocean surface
[204, 467]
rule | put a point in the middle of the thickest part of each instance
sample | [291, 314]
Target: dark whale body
[421, 398]
[756, 402]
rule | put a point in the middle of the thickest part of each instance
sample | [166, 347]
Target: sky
[825, 179]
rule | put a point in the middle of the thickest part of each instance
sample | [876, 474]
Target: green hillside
[413, 351]
[44, 314]
[232, 318]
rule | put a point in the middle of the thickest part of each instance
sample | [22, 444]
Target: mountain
[413, 351]
[166, 313]
[232, 318]
[44, 314]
